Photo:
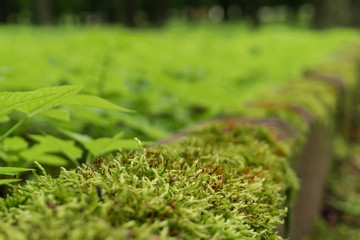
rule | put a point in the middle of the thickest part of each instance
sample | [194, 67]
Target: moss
[213, 185]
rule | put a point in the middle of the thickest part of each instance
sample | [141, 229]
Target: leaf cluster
[48, 102]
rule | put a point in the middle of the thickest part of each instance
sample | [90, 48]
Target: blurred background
[141, 13]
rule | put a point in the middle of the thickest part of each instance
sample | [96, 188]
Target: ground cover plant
[45, 101]
[187, 189]
[161, 74]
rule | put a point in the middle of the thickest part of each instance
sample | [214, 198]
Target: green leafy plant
[11, 171]
[43, 100]
[101, 146]
[47, 102]
[165, 84]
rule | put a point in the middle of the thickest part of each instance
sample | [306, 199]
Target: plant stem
[88, 157]
[11, 130]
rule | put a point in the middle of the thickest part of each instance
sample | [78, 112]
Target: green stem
[21, 122]
[89, 157]
[15, 127]
[166, 166]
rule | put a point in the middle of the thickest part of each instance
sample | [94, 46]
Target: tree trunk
[251, 8]
[157, 12]
[113, 11]
[332, 13]
[129, 13]
[225, 5]
[356, 13]
[293, 7]
[4, 11]
[43, 12]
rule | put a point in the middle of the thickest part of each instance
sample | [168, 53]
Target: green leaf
[118, 135]
[31, 102]
[52, 160]
[123, 144]
[43, 152]
[57, 114]
[15, 143]
[52, 144]
[6, 181]
[4, 118]
[144, 126]
[105, 145]
[98, 146]
[93, 101]
[81, 138]
[10, 158]
[13, 170]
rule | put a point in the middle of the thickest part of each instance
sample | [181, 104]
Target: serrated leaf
[6, 181]
[40, 154]
[105, 145]
[4, 156]
[4, 118]
[13, 170]
[43, 151]
[144, 126]
[97, 146]
[10, 158]
[57, 114]
[102, 145]
[118, 135]
[93, 101]
[31, 101]
[15, 143]
[123, 144]
[51, 160]
[53, 144]
[81, 138]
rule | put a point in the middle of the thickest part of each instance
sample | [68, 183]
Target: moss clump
[216, 184]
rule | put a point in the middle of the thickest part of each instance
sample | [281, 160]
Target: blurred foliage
[342, 231]
[169, 84]
[341, 211]
[132, 12]
[213, 71]
[144, 13]
[15, 150]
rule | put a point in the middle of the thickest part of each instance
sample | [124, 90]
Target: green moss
[215, 184]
